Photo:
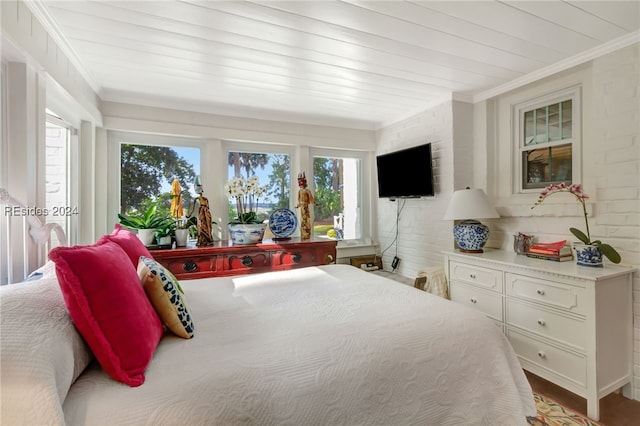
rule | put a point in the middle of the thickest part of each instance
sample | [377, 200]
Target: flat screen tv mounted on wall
[406, 173]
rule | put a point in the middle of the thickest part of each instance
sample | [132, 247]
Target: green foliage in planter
[149, 220]
[167, 229]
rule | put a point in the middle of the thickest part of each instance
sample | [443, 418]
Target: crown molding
[559, 66]
[41, 13]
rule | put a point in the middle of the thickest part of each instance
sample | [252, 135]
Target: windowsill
[352, 248]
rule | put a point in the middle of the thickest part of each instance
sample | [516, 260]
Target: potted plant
[145, 223]
[589, 253]
[246, 227]
[165, 232]
[183, 231]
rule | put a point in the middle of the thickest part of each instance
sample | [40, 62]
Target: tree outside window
[337, 196]
[146, 173]
[272, 169]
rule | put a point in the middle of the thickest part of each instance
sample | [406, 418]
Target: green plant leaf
[580, 235]
[150, 213]
[610, 253]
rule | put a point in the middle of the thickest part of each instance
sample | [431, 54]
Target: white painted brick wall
[422, 234]
[616, 115]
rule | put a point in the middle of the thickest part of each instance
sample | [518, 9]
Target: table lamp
[470, 235]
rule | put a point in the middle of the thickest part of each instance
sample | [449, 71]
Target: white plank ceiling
[361, 64]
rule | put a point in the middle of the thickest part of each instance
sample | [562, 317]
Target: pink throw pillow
[129, 242]
[109, 308]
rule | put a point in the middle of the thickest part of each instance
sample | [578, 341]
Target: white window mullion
[530, 175]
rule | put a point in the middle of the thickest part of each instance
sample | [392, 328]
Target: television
[406, 173]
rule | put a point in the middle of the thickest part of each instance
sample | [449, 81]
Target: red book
[550, 246]
[558, 248]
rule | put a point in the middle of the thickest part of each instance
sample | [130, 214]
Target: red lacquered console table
[223, 258]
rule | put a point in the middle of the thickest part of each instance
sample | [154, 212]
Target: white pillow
[41, 353]
[48, 270]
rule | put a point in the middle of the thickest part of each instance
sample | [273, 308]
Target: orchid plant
[246, 194]
[576, 190]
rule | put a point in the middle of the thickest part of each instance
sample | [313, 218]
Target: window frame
[72, 171]
[518, 112]
[117, 138]
[261, 148]
[364, 188]
[213, 171]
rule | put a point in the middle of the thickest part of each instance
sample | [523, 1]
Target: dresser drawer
[546, 323]
[489, 279]
[299, 257]
[246, 262]
[563, 363]
[191, 266]
[550, 293]
[486, 301]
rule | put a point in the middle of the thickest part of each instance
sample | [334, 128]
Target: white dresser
[570, 324]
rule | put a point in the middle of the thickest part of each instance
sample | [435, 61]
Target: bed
[106, 335]
[324, 345]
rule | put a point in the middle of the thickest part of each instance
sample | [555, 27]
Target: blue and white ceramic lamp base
[471, 236]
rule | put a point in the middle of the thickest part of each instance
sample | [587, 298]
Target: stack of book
[558, 251]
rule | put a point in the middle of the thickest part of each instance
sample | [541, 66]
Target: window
[337, 182]
[548, 137]
[273, 170]
[147, 171]
[58, 198]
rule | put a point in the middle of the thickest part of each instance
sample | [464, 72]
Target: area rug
[550, 413]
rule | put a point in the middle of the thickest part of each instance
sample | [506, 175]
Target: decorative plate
[283, 223]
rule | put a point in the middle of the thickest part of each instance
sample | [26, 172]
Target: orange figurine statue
[305, 198]
[205, 223]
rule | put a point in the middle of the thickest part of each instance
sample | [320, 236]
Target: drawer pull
[189, 266]
[542, 354]
[296, 257]
[540, 292]
[473, 276]
[247, 261]
[474, 300]
[541, 322]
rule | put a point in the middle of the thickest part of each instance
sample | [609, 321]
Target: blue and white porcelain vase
[588, 255]
[471, 236]
[247, 233]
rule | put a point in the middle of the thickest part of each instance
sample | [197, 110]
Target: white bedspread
[317, 346]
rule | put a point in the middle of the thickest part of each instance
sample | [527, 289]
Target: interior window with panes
[547, 139]
[337, 181]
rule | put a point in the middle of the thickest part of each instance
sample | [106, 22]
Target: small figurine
[205, 228]
[176, 199]
[305, 197]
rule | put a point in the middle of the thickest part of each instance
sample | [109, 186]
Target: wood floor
[615, 409]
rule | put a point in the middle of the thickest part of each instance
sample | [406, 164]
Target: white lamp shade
[470, 204]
